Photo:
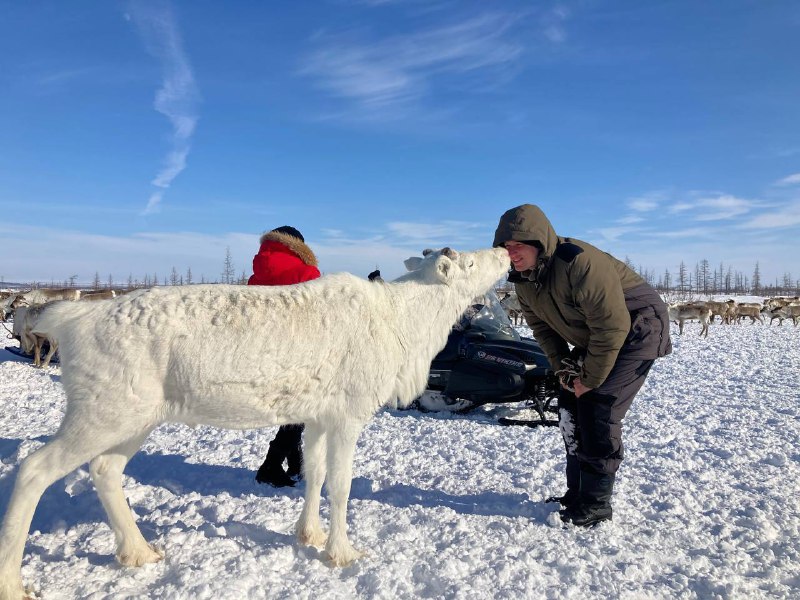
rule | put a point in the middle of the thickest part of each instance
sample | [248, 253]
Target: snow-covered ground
[453, 507]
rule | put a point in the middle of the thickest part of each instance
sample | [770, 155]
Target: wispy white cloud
[391, 243]
[553, 24]
[393, 73]
[153, 203]
[610, 234]
[790, 180]
[646, 203]
[724, 207]
[782, 217]
[446, 231]
[414, 236]
[717, 207]
[679, 207]
[630, 220]
[177, 97]
[694, 233]
[63, 76]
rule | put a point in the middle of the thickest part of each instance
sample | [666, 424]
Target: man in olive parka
[601, 326]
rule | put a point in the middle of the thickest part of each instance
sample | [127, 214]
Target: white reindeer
[328, 353]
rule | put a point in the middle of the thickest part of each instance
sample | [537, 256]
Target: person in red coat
[283, 259]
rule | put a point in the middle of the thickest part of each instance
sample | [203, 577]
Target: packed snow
[446, 506]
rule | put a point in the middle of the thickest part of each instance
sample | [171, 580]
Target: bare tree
[96, 281]
[704, 277]
[189, 276]
[629, 264]
[173, 277]
[667, 280]
[228, 271]
[756, 280]
[684, 284]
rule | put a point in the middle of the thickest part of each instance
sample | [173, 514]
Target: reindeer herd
[704, 311]
[27, 308]
[731, 312]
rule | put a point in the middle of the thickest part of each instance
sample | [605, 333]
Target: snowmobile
[486, 361]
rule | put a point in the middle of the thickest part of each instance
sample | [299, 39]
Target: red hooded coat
[283, 260]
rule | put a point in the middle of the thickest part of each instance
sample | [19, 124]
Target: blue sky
[138, 137]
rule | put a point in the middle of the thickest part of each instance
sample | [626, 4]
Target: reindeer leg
[65, 452]
[309, 527]
[106, 471]
[50, 353]
[37, 352]
[341, 447]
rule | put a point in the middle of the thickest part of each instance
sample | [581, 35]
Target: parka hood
[527, 223]
[292, 243]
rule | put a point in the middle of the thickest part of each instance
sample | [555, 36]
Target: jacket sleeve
[553, 344]
[598, 291]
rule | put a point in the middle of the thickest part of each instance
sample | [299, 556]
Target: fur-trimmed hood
[292, 243]
[283, 259]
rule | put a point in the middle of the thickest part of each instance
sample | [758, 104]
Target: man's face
[523, 256]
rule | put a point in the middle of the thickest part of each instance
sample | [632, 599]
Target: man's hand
[569, 373]
[580, 389]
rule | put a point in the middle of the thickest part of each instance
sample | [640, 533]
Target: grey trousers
[592, 424]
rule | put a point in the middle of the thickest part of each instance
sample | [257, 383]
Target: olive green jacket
[576, 295]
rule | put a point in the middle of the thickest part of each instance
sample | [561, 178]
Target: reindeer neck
[429, 310]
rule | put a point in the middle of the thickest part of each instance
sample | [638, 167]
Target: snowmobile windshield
[486, 315]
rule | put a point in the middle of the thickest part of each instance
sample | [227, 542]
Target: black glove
[570, 371]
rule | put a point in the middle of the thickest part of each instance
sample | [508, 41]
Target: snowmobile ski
[17, 351]
[527, 422]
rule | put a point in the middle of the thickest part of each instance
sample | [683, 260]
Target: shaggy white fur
[327, 353]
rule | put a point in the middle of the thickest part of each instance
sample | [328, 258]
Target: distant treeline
[724, 280]
[685, 283]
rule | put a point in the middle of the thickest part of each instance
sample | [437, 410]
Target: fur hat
[289, 230]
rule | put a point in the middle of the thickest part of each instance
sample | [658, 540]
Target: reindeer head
[449, 267]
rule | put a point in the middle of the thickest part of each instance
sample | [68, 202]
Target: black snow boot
[295, 461]
[573, 483]
[291, 439]
[271, 472]
[594, 502]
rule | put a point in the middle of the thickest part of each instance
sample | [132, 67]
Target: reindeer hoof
[344, 557]
[312, 538]
[11, 589]
[140, 556]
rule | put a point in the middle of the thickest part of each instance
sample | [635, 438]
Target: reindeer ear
[444, 269]
[413, 263]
